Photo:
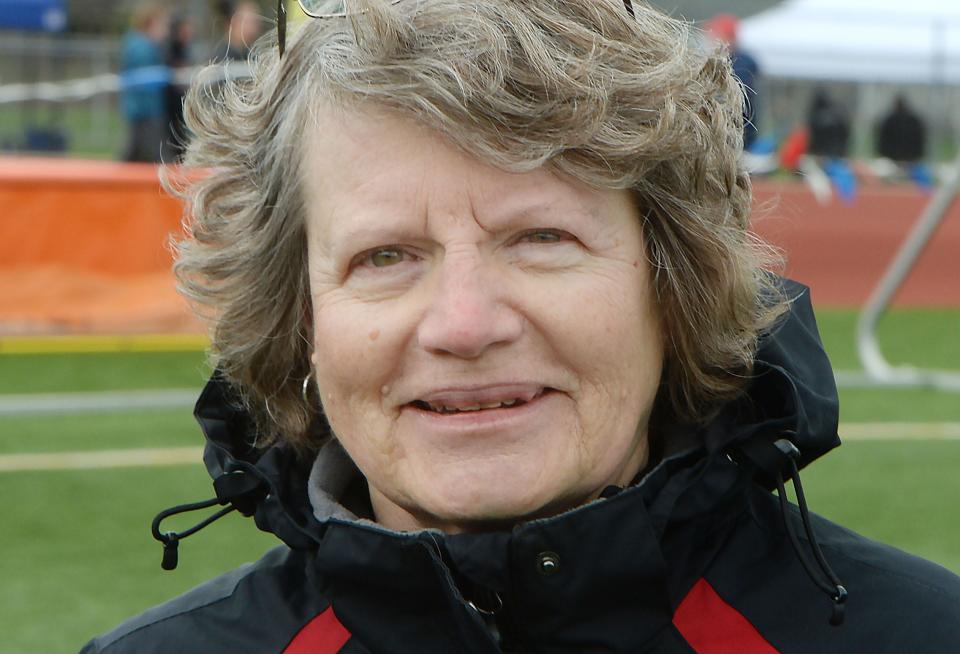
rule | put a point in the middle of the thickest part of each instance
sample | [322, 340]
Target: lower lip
[484, 419]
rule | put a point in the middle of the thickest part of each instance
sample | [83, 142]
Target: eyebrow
[558, 210]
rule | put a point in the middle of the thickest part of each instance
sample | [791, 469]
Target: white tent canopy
[903, 41]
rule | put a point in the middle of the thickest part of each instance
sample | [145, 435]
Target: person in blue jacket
[145, 78]
[499, 361]
[723, 29]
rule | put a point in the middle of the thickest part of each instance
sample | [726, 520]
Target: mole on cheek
[374, 335]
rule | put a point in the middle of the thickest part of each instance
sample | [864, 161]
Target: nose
[467, 312]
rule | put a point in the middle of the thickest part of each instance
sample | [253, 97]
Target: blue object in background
[45, 139]
[922, 176]
[843, 179]
[763, 145]
[33, 15]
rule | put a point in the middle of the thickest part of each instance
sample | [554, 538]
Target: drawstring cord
[171, 539]
[238, 489]
[832, 586]
[772, 459]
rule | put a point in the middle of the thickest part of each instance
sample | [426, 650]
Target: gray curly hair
[579, 85]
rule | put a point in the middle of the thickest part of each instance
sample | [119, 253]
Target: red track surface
[841, 251]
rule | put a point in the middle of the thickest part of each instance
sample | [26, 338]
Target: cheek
[358, 350]
[606, 330]
[604, 325]
[350, 341]
[350, 383]
[343, 361]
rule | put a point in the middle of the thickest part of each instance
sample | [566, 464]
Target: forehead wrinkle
[370, 205]
[544, 191]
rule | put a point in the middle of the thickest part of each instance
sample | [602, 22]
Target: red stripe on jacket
[322, 635]
[711, 626]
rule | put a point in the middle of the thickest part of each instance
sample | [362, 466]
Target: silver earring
[306, 387]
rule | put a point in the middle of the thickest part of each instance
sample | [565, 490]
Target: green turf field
[78, 556]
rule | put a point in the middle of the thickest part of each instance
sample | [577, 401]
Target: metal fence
[91, 126]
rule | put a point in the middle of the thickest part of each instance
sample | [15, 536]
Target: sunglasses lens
[319, 8]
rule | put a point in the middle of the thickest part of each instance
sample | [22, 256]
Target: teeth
[475, 407]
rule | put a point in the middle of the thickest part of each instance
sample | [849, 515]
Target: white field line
[50, 403]
[167, 456]
[88, 87]
[853, 431]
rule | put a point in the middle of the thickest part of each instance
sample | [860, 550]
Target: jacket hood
[793, 391]
[792, 394]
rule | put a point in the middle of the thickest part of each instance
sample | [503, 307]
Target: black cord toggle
[171, 539]
[839, 606]
[170, 557]
[238, 489]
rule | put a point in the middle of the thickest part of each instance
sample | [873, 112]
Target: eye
[381, 257]
[545, 236]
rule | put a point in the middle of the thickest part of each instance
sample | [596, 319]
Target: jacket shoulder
[923, 589]
[897, 602]
[257, 607]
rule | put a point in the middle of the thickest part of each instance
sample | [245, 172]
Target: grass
[924, 338]
[920, 337]
[53, 373]
[78, 542]
[80, 557]
[903, 493]
[98, 431]
[92, 130]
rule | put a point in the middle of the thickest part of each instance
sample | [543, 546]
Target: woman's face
[486, 346]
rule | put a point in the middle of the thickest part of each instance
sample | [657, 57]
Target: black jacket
[902, 136]
[694, 557]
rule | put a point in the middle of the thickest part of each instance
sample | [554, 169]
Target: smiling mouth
[467, 407]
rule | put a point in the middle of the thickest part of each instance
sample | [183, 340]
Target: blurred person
[722, 29]
[179, 59]
[829, 127]
[243, 28]
[143, 96]
[499, 360]
[902, 134]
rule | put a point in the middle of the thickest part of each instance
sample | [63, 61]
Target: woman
[498, 360]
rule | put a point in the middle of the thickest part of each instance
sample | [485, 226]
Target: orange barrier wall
[83, 247]
[103, 217]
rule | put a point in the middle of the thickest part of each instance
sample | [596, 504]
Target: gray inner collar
[331, 474]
